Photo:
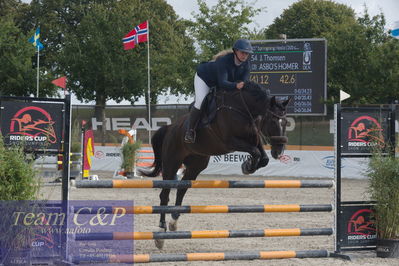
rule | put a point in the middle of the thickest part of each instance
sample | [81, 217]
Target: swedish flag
[35, 40]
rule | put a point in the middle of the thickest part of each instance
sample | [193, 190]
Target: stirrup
[189, 137]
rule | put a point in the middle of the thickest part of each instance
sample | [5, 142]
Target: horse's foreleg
[250, 165]
[264, 159]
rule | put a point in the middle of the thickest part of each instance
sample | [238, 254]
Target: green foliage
[84, 40]
[17, 77]
[384, 87]
[310, 19]
[216, 28]
[17, 176]
[18, 58]
[384, 188]
[129, 155]
[363, 61]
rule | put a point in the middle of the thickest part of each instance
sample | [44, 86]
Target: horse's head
[273, 126]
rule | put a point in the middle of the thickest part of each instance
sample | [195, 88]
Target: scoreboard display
[293, 68]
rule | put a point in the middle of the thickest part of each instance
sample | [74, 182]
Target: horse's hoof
[263, 162]
[244, 171]
[173, 225]
[246, 168]
[159, 243]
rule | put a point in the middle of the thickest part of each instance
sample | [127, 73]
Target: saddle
[208, 109]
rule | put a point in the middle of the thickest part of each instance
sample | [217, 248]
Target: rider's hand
[240, 85]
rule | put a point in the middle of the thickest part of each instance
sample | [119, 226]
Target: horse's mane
[221, 53]
[257, 91]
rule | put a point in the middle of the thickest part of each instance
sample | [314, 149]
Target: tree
[85, 43]
[386, 73]
[310, 19]
[216, 28]
[17, 73]
[98, 67]
[72, 31]
[363, 61]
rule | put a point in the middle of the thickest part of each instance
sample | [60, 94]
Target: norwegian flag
[137, 35]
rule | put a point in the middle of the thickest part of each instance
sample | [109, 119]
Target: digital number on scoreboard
[293, 68]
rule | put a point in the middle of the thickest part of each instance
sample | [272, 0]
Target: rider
[228, 72]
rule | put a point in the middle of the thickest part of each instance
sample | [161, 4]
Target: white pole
[149, 84]
[37, 75]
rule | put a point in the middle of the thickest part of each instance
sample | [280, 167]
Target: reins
[245, 114]
[223, 106]
[258, 132]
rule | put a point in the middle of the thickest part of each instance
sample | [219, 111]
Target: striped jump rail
[238, 255]
[203, 209]
[203, 234]
[143, 164]
[145, 151]
[146, 158]
[204, 184]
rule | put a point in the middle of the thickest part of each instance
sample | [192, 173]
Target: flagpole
[37, 75]
[148, 82]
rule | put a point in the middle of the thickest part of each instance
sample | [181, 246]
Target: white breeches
[201, 90]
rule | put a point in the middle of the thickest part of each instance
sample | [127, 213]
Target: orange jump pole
[204, 234]
[239, 255]
[204, 184]
[203, 209]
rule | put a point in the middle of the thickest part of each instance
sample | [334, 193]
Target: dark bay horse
[244, 120]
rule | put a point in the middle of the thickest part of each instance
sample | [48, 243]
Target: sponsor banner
[106, 158]
[37, 126]
[357, 227]
[363, 131]
[293, 163]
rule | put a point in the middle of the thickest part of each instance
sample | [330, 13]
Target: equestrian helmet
[243, 45]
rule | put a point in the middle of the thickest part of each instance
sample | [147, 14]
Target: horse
[244, 120]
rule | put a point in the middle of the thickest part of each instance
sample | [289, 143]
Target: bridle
[275, 140]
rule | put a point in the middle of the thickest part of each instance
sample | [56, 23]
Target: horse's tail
[157, 141]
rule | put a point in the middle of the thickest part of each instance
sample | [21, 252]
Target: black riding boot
[193, 120]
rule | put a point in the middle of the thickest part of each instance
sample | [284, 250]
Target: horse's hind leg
[164, 197]
[169, 173]
[194, 165]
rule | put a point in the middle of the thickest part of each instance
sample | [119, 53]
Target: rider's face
[242, 56]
